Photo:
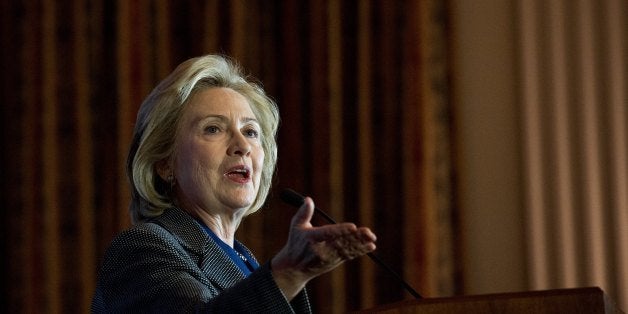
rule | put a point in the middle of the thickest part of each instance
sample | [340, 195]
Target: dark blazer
[169, 264]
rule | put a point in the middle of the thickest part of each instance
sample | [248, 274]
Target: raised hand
[312, 251]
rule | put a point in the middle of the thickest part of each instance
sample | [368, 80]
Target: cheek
[197, 176]
[192, 164]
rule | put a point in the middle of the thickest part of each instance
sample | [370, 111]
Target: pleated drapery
[362, 90]
[574, 119]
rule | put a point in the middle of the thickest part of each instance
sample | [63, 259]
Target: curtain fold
[573, 68]
[361, 87]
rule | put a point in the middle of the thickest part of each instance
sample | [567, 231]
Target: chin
[240, 197]
[243, 201]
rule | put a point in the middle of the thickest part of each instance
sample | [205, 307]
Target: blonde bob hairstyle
[157, 127]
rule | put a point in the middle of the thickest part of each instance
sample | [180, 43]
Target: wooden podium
[568, 301]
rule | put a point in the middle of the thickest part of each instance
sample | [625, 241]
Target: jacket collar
[205, 252]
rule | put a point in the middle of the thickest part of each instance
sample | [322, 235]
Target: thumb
[304, 214]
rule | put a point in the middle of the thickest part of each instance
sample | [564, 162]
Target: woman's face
[219, 156]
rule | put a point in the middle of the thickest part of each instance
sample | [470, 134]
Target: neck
[225, 230]
[222, 225]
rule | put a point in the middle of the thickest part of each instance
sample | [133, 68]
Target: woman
[202, 158]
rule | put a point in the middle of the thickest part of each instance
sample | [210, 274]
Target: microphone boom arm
[295, 199]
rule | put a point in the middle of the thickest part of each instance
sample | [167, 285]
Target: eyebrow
[224, 118]
[246, 119]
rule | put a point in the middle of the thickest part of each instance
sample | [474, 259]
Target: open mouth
[239, 173]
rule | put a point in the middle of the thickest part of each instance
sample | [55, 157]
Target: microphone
[295, 199]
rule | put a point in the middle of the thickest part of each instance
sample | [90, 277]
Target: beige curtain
[362, 89]
[574, 74]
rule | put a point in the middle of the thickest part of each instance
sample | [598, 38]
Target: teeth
[242, 172]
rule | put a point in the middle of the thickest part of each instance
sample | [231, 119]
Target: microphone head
[291, 197]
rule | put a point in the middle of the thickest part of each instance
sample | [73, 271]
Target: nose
[239, 145]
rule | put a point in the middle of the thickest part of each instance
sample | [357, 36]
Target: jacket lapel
[218, 267]
[207, 255]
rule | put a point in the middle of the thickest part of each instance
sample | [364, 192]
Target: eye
[212, 129]
[251, 132]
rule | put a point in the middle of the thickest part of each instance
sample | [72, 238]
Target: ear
[163, 169]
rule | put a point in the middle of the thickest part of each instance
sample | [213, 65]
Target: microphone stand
[295, 199]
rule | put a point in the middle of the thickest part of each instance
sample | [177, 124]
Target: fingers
[312, 251]
[343, 241]
[328, 232]
[347, 229]
[304, 214]
[367, 234]
[351, 246]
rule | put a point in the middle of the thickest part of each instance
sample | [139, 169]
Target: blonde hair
[157, 125]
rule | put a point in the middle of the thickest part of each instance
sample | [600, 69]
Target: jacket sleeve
[145, 270]
[263, 297]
